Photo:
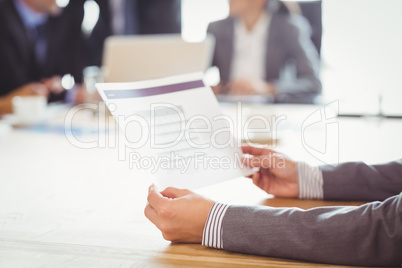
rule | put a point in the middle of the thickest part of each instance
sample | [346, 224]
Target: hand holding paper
[177, 130]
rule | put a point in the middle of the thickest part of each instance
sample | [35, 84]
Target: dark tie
[131, 17]
[38, 38]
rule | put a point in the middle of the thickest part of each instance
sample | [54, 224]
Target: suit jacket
[287, 42]
[152, 17]
[65, 47]
[368, 235]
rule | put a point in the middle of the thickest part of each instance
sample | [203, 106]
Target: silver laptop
[134, 58]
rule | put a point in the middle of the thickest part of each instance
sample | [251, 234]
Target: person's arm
[5, 106]
[305, 57]
[368, 235]
[80, 57]
[250, 87]
[364, 235]
[94, 43]
[179, 214]
[283, 177]
[31, 89]
[359, 181]
[223, 32]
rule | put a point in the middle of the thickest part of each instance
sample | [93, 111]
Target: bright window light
[62, 3]
[91, 16]
[68, 82]
[196, 15]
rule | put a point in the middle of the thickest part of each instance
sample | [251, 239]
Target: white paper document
[176, 130]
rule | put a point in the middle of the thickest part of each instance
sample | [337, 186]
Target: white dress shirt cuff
[310, 182]
[212, 236]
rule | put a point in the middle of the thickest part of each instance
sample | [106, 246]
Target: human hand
[80, 94]
[30, 89]
[241, 87]
[179, 214]
[269, 88]
[53, 84]
[277, 174]
[250, 87]
[217, 89]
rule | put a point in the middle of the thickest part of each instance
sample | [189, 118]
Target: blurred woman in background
[264, 49]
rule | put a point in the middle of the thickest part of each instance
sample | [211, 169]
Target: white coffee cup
[29, 110]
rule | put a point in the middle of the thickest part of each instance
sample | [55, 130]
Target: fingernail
[152, 187]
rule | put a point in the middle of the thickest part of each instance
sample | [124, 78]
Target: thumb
[39, 89]
[172, 192]
[264, 161]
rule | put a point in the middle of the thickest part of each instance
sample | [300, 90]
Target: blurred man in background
[39, 44]
[259, 41]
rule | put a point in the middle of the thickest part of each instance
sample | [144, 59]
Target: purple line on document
[151, 91]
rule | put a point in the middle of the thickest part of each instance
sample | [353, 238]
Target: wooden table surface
[64, 206]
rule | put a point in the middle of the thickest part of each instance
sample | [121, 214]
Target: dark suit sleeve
[368, 235]
[303, 54]
[76, 11]
[95, 41]
[358, 181]
[223, 52]
[16, 59]
[211, 30]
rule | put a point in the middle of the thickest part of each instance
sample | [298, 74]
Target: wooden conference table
[64, 206]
